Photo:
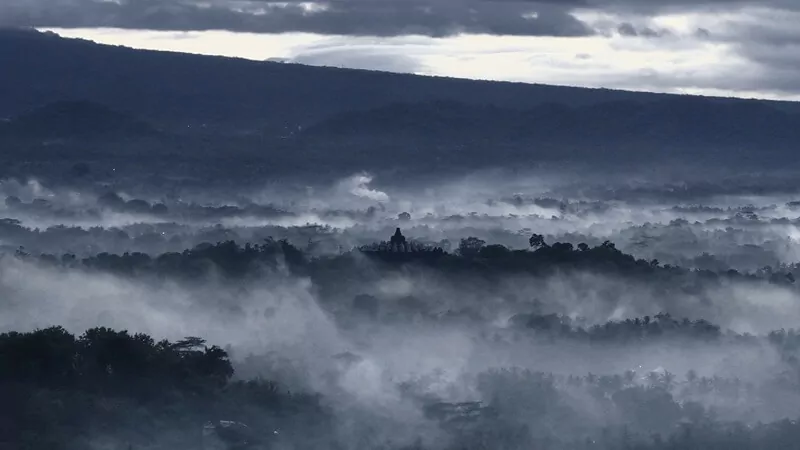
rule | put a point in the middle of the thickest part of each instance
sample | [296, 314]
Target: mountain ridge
[289, 118]
[181, 89]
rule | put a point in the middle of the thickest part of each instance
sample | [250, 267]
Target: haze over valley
[202, 252]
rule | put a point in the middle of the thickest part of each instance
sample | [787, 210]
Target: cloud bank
[435, 18]
[347, 17]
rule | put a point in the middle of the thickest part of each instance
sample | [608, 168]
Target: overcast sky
[728, 47]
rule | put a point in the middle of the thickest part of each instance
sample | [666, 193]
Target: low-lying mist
[691, 224]
[487, 312]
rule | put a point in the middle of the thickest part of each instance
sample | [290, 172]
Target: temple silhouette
[398, 242]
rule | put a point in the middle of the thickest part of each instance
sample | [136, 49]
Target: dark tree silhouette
[537, 241]
[470, 247]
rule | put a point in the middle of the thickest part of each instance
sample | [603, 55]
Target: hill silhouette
[41, 68]
[293, 117]
[672, 127]
[75, 119]
[681, 118]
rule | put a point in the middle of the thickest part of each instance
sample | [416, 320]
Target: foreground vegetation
[124, 390]
[113, 389]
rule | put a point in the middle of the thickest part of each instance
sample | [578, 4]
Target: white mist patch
[33, 189]
[358, 185]
[26, 191]
[300, 220]
[281, 314]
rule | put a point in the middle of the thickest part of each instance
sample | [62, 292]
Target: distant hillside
[224, 117]
[74, 119]
[181, 89]
[452, 134]
[675, 121]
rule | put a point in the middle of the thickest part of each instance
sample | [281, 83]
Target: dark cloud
[777, 67]
[628, 29]
[346, 17]
[702, 33]
[769, 40]
[656, 6]
[354, 17]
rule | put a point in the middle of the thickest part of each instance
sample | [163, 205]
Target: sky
[739, 48]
